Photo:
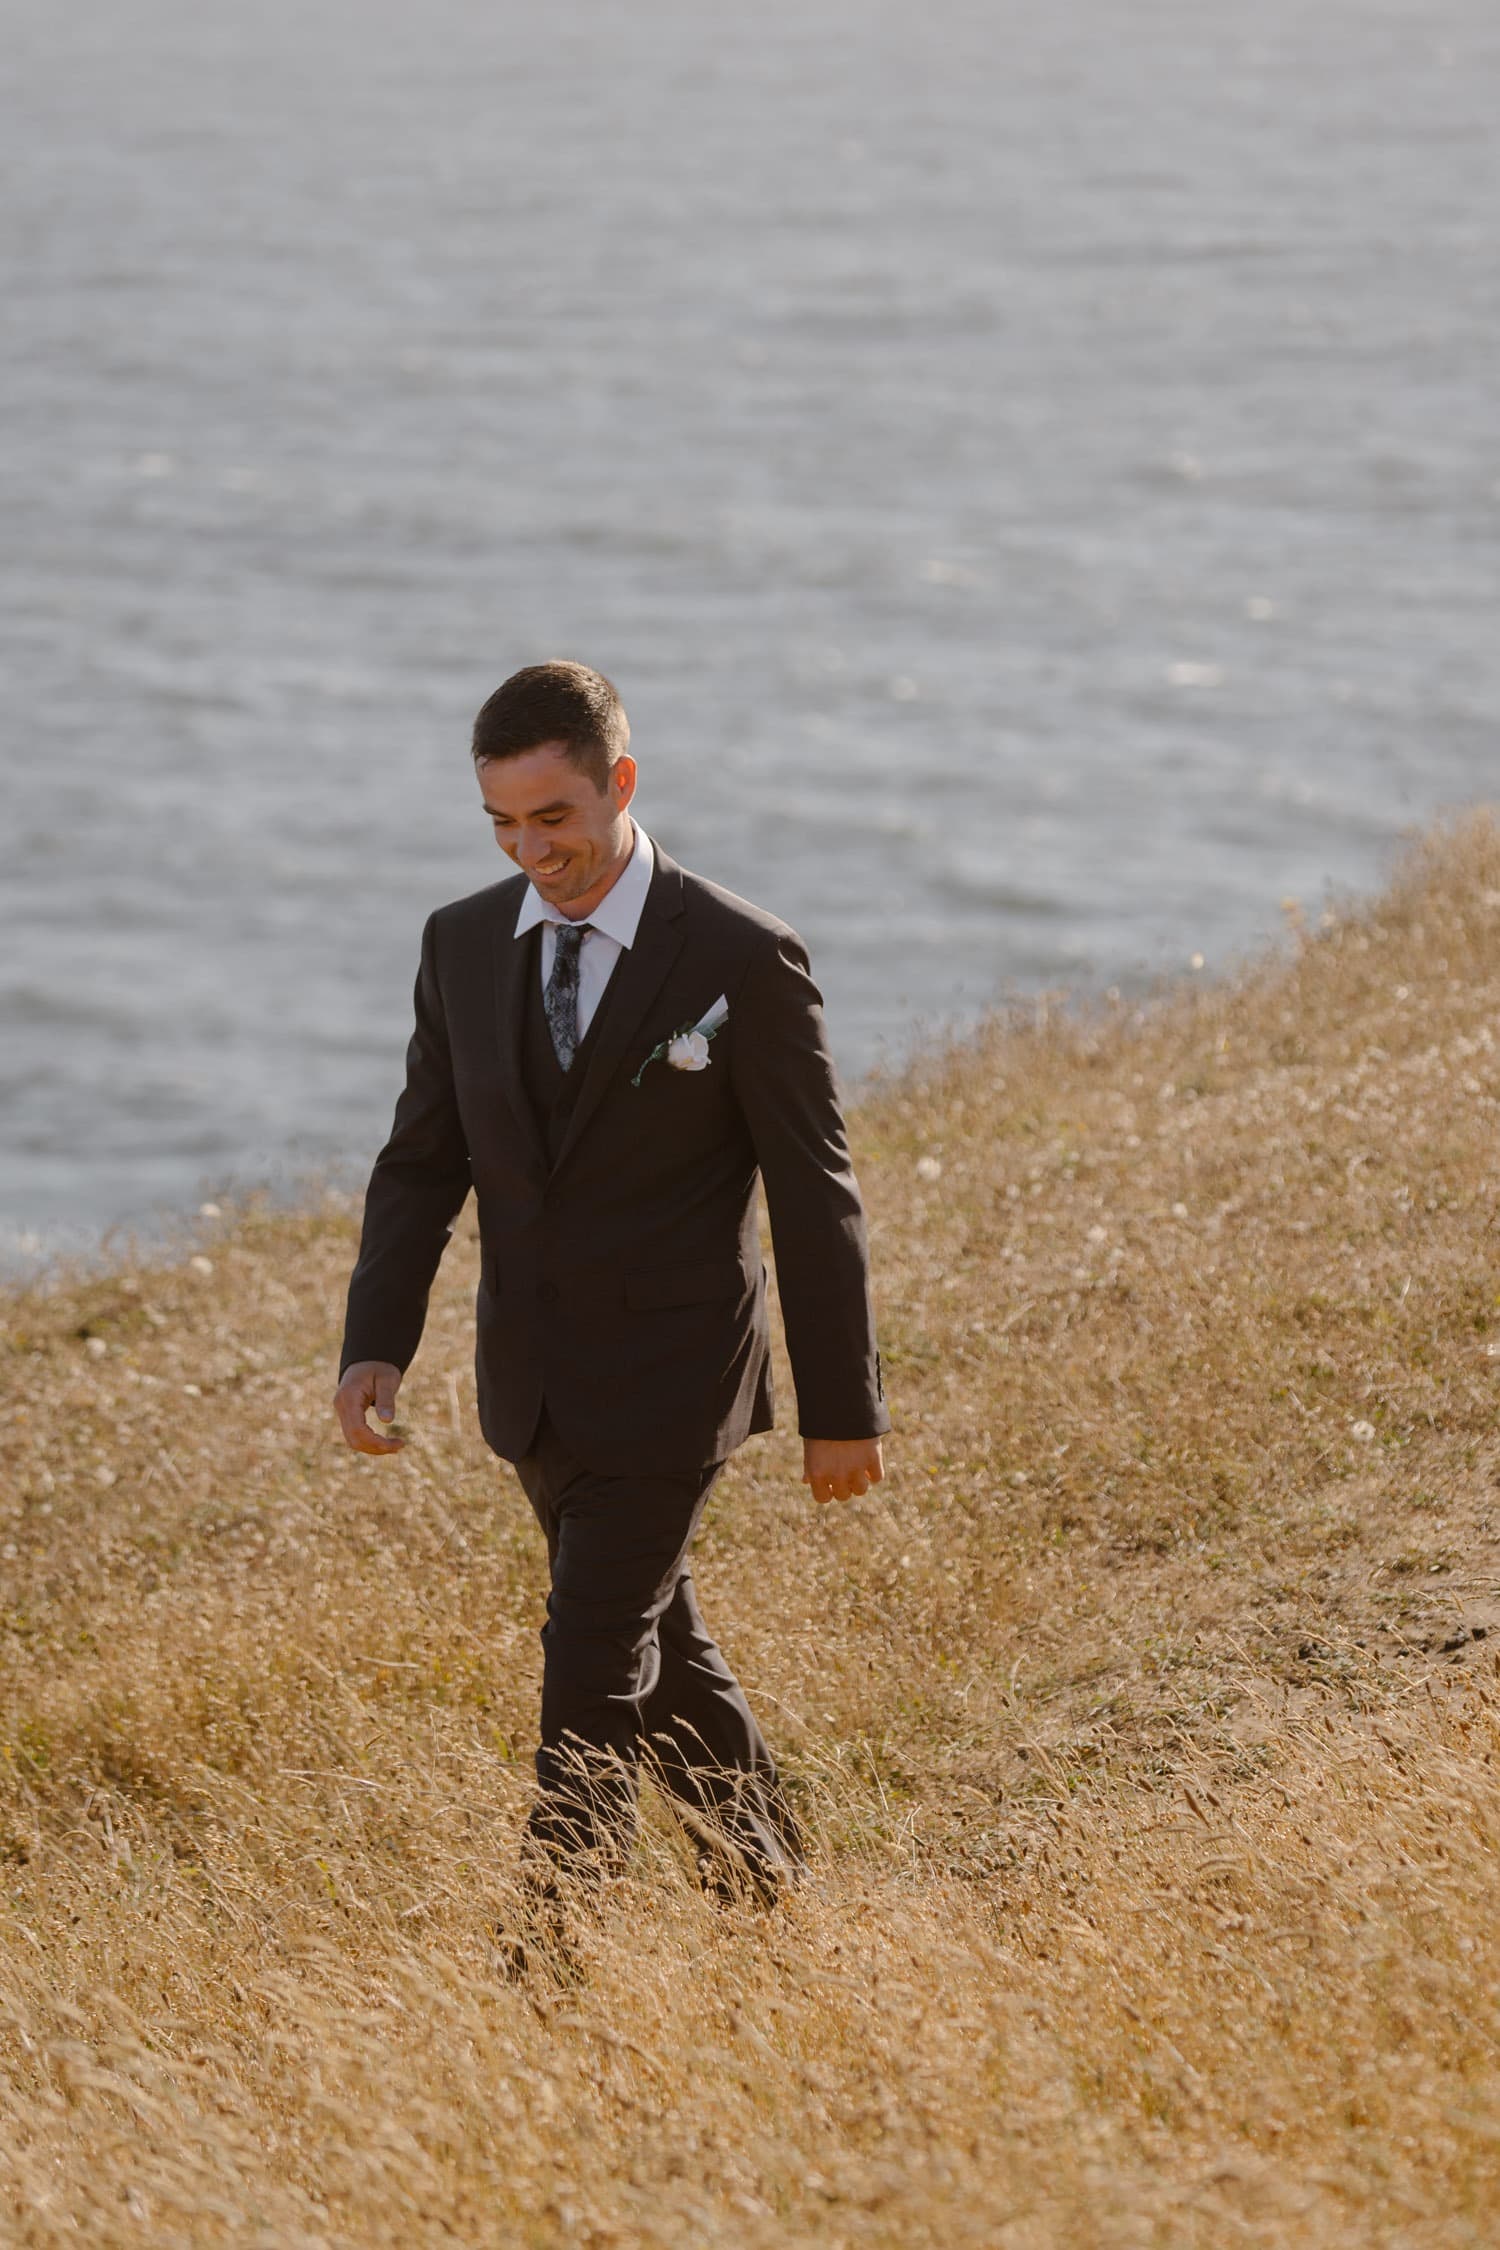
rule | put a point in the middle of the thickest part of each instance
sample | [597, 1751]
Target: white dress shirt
[612, 926]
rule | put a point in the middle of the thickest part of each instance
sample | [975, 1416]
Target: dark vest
[552, 1090]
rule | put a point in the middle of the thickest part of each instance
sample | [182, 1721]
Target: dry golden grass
[1151, 1748]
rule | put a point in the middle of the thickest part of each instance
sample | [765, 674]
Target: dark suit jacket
[625, 1281]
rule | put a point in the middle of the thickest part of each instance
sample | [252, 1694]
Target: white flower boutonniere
[687, 1049]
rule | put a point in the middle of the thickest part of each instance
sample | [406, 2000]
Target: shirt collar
[618, 914]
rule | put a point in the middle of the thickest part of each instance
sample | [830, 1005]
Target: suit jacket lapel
[638, 976]
[514, 957]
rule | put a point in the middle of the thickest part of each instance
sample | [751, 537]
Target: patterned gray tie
[560, 1000]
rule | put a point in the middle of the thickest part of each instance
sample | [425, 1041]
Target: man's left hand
[841, 1468]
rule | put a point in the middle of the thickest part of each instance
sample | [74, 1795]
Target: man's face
[571, 839]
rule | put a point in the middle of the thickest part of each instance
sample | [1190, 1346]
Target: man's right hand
[369, 1382]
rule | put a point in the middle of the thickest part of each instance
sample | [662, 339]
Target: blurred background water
[1034, 475]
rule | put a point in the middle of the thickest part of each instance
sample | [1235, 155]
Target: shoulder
[481, 912]
[763, 958]
[723, 912]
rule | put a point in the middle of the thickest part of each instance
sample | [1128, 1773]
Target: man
[609, 1050]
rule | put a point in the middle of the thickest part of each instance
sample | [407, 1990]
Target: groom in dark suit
[609, 1051]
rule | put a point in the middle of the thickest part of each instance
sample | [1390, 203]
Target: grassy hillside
[1153, 1761]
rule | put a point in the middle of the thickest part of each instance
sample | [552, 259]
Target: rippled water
[1034, 476]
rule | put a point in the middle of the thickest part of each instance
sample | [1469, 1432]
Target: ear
[622, 780]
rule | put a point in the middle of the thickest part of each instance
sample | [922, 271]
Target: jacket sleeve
[416, 1191]
[787, 1089]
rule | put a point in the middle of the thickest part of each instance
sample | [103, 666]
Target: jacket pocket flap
[682, 1285]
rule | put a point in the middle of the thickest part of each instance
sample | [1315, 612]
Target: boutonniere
[687, 1049]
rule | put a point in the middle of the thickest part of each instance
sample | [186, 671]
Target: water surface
[1033, 475]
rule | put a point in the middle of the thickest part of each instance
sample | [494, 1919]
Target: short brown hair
[558, 702]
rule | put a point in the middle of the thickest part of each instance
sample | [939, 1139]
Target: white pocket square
[717, 1015]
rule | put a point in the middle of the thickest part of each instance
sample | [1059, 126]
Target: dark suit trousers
[631, 1675]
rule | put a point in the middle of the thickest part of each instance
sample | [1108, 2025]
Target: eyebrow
[497, 812]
